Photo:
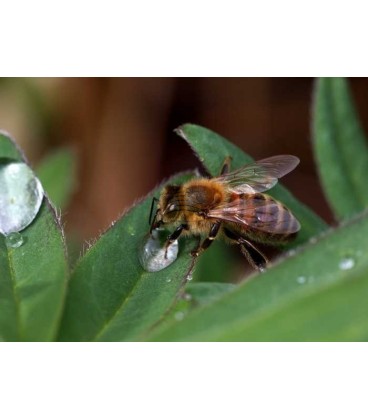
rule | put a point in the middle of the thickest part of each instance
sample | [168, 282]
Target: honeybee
[232, 206]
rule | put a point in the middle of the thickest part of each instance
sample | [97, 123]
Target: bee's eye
[172, 207]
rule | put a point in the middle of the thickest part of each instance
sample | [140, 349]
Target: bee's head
[167, 210]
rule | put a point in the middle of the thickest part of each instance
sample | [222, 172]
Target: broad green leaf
[340, 148]
[211, 149]
[317, 294]
[57, 173]
[337, 313]
[33, 272]
[196, 294]
[111, 297]
[204, 293]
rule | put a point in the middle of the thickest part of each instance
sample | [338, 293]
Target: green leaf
[196, 295]
[318, 294]
[340, 148]
[211, 149]
[111, 297]
[9, 149]
[33, 272]
[205, 293]
[57, 173]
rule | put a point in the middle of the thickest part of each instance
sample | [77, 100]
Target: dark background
[122, 131]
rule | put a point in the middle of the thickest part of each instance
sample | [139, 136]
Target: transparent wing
[261, 175]
[260, 212]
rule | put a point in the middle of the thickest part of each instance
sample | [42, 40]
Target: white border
[183, 380]
[192, 38]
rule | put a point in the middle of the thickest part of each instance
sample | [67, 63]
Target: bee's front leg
[208, 241]
[174, 236]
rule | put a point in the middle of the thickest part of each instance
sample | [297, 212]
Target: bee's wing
[259, 176]
[260, 212]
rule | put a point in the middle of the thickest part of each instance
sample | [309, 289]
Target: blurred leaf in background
[57, 172]
[340, 148]
[27, 111]
[218, 264]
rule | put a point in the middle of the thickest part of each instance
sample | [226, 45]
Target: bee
[232, 206]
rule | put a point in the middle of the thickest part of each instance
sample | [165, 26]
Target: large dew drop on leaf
[21, 195]
[152, 255]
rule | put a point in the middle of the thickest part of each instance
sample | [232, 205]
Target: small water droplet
[301, 279]
[187, 297]
[168, 280]
[346, 263]
[179, 316]
[291, 253]
[189, 277]
[14, 240]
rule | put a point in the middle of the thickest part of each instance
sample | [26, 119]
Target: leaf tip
[180, 131]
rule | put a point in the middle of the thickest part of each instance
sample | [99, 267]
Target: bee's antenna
[154, 199]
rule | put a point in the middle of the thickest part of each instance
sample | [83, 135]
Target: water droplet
[189, 277]
[14, 240]
[154, 256]
[131, 230]
[21, 195]
[291, 253]
[187, 297]
[179, 316]
[346, 263]
[301, 279]
[168, 280]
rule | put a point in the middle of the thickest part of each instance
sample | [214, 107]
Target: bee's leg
[226, 165]
[208, 241]
[254, 256]
[201, 247]
[174, 236]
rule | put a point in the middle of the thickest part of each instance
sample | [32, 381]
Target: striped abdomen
[258, 215]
